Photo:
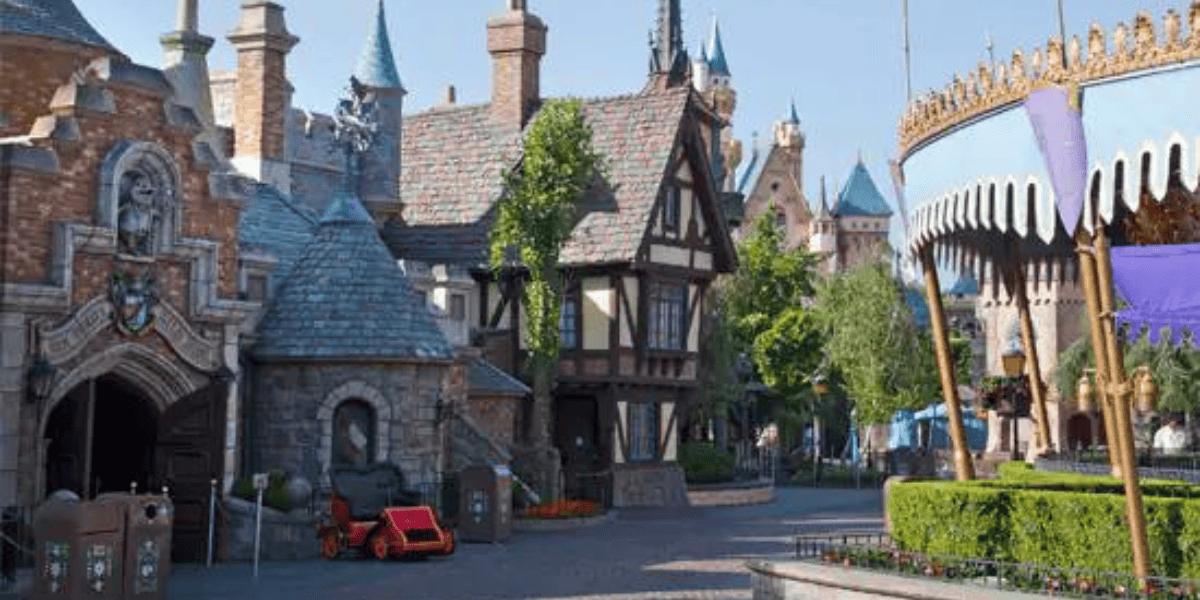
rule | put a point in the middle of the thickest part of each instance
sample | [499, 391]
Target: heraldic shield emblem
[133, 299]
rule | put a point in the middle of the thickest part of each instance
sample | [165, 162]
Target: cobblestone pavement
[643, 554]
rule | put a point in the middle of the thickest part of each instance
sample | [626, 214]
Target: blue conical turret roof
[717, 64]
[860, 197]
[376, 66]
[794, 117]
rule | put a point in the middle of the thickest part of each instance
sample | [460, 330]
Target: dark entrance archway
[180, 448]
[123, 434]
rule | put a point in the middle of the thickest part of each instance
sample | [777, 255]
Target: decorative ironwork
[355, 124]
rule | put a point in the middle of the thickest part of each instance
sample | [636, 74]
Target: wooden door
[188, 455]
[575, 433]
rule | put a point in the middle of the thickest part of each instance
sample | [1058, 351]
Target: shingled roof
[272, 223]
[58, 19]
[454, 159]
[860, 197]
[346, 298]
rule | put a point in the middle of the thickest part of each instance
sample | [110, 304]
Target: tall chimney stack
[516, 41]
[263, 96]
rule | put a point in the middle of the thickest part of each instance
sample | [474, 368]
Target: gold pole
[1122, 395]
[1087, 273]
[1031, 355]
[963, 468]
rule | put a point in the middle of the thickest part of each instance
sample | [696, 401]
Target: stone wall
[293, 405]
[496, 415]
[285, 536]
[810, 581]
[649, 484]
[40, 65]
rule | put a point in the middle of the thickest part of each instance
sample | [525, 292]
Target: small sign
[260, 481]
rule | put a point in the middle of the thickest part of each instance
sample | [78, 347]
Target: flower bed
[561, 509]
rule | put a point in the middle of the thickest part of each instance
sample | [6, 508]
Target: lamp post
[40, 380]
[1013, 363]
[820, 388]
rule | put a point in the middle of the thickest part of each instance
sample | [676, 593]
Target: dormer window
[671, 208]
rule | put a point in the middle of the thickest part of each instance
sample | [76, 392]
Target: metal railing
[595, 486]
[751, 461]
[1183, 467]
[875, 551]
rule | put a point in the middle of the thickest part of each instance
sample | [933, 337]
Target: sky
[840, 61]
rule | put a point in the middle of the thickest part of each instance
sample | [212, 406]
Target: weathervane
[355, 123]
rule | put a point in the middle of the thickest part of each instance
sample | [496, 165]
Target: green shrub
[948, 519]
[1016, 470]
[275, 496]
[1057, 520]
[703, 462]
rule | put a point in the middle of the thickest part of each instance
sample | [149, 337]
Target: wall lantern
[40, 379]
[1013, 362]
[1145, 391]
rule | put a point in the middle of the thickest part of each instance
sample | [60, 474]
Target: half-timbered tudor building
[650, 239]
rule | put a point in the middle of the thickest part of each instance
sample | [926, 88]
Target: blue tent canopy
[905, 428]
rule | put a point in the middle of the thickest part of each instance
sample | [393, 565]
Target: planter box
[285, 536]
[730, 494]
[562, 524]
[809, 581]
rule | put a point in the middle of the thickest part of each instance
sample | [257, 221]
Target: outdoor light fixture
[1013, 362]
[40, 379]
[1145, 390]
[819, 386]
[225, 375]
[1083, 397]
[440, 410]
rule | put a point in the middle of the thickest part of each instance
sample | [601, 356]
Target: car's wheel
[449, 544]
[331, 545]
[380, 547]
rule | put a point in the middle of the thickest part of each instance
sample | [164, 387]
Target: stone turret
[186, 66]
[379, 178]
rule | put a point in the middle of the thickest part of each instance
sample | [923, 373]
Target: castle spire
[186, 67]
[669, 56]
[717, 64]
[794, 117]
[376, 65]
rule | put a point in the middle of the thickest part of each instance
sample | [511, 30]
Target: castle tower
[718, 67]
[379, 175]
[822, 233]
[262, 96]
[517, 42]
[186, 66]
[668, 58]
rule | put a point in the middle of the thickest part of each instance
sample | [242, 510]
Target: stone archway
[356, 390]
[109, 448]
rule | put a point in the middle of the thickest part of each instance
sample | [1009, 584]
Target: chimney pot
[451, 96]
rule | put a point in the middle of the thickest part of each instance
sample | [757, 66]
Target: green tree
[534, 218]
[764, 303]
[887, 364]
[719, 383]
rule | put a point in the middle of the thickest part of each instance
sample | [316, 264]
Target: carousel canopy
[973, 164]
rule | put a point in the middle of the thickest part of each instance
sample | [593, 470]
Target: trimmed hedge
[1059, 520]
[703, 462]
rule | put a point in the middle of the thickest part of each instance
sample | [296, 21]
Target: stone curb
[562, 524]
[734, 496]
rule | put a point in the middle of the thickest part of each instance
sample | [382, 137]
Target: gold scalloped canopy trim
[989, 87]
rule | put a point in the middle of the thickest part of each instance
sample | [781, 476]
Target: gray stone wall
[292, 405]
[649, 484]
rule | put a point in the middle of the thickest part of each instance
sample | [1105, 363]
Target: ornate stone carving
[62, 343]
[133, 299]
[994, 86]
[194, 349]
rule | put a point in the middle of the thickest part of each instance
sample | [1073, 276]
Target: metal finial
[355, 123]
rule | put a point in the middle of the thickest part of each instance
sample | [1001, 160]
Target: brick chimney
[263, 96]
[516, 41]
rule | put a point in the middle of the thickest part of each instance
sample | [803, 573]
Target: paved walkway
[691, 553]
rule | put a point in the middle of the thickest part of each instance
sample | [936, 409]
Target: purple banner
[1157, 282]
[1057, 118]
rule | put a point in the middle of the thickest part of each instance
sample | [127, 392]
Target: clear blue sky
[841, 60]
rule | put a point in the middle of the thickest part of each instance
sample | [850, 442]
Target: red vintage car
[373, 513]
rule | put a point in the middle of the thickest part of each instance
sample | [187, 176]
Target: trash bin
[485, 504]
[116, 546]
[147, 546]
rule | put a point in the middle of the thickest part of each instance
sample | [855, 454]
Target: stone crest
[133, 299]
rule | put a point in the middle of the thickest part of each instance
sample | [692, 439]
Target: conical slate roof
[860, 197]
[346, 298]
[376, 66]
[58, 19]
[716, 52]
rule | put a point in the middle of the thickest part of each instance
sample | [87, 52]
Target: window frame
[672, 207]
[569, 323]
[336, 455]
[668, 328]
[643, 421]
